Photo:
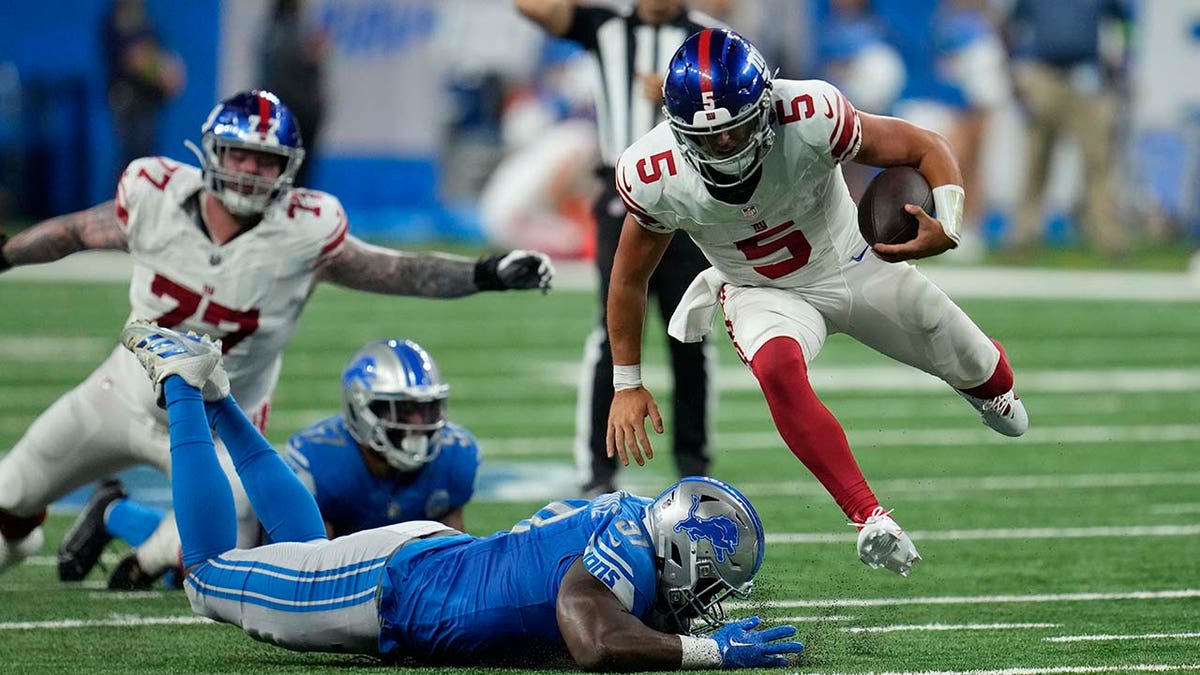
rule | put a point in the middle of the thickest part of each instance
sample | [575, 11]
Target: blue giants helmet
[250, 120]
[717, 98]
[394, 400]
[709, 544]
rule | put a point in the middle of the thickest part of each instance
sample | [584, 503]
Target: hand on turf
[931, 240]
[627, 425]
[743, 647]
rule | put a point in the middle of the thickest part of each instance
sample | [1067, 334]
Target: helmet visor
[721, 142]
[410, 415]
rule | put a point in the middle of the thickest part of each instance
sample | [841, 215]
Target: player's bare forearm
[638, 253]
[58, 237]
[602, 636]
[888, 141]
[376, 269]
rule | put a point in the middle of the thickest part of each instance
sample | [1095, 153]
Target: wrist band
[699, 652]
[627, 377]
[948, 204]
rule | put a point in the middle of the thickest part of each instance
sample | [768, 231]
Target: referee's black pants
[690, 409]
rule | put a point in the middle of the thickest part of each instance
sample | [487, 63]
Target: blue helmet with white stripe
[709, 542]
[717, 98]
[394, 400]
[257, 122]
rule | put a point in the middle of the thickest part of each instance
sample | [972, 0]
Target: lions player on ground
[390, 457]
[229, 249]
[614, 582]
[750, 169]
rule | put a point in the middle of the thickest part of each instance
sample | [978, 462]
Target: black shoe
[85, 541]
[128, 575]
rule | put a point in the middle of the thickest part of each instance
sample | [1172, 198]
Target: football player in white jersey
[230, 249]
[750, 169]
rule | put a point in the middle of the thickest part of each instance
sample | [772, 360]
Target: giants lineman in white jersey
[231, 250]
[749, 168]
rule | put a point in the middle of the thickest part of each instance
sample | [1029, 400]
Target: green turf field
[1075, 549]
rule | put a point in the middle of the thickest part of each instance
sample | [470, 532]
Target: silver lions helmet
[709, 542]
[394, 401]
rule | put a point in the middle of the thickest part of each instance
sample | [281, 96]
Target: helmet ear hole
[676, 556]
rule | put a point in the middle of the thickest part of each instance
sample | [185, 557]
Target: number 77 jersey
[249, 291]
[800, 224]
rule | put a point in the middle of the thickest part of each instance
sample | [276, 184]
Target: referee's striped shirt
[625, 48]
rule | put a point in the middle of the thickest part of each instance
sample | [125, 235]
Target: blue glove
[743, 647]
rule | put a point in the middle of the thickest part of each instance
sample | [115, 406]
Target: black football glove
[516, 269]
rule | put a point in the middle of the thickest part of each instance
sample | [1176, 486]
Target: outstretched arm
[58, 237]
[602, 636]
[377, 269]
[888, 141]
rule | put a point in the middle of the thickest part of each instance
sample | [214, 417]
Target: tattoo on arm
[58, 237]
[376, 269]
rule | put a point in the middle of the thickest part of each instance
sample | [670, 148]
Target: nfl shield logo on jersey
[749, 211]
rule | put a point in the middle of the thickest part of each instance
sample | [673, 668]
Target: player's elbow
[595, 657]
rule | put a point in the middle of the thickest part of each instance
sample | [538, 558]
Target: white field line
[1105, 638]
[888, 438]
[808, 618]
[115, 621]
[959, 282]
[798, 486]
[991, 534]
[970, 599]
[1175, 509]
[935, 627]
[885, 378]
[53, 347]
[1055, 670]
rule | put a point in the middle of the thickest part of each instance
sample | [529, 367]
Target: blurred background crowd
[1077, 122]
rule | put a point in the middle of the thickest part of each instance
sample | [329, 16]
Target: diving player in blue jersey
[615, 582]
[391, 455]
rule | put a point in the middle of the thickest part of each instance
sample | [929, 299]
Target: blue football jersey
[461, 597]
[325, 457]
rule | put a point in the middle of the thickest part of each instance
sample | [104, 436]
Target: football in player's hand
[881, 215]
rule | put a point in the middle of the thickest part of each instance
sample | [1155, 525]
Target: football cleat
[164, 352]
[883, 543]
[1004, 414]
[128, 575]
[13, 552]
[85, 541]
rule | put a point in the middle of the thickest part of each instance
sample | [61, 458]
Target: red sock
[808, 428]
[16, 528]
[1000, 382]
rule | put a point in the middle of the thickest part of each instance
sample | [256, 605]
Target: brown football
[881, 215]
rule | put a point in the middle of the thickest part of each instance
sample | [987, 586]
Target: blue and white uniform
[424, 590]
[326, 458]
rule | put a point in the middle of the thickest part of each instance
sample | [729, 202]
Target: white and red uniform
[790, 261]
[249, 292]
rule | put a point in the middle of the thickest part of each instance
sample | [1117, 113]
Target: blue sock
[284, 506]
[131, 522]
[204, 511]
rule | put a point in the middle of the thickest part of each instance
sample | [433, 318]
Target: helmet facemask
[400, 427]
[727, 150]
[247, 194]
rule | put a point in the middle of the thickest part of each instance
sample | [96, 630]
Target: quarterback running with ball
[749, 167]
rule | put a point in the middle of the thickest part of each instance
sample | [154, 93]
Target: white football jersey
[798, 227]
[249, 291]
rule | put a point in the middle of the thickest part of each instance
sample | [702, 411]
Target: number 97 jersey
[248, 291]
[799, 225]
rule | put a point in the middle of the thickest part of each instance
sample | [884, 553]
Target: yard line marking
[1101, 638]
[1054, 670]
[116, 621]
[890, 438]
[998, 533]
[808, 618]
[944, 627]
[970, 599]
[989, 483]
[1175, 509]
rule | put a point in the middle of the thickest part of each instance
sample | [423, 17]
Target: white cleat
[883, 543]
[164, 352]
[1004, 414]
[12, 553]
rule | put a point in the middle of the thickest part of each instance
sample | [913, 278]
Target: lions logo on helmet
[717, 98]
[394, 401]
[709, 542]
[259, 122]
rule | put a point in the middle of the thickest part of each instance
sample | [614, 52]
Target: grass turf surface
[509, 359]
